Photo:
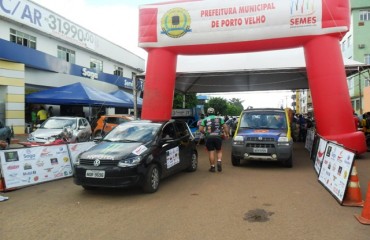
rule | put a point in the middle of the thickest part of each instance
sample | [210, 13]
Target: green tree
[237, 102]
[233, 110]
[190, 100]
[235, 107]
[219, 104]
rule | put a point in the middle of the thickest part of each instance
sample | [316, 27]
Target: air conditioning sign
[39, 18]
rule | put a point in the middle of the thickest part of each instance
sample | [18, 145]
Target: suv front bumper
[269, 152]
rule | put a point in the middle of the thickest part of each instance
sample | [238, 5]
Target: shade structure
[127, 97]
[76, 94]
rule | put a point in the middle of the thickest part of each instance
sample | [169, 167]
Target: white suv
[53, 126]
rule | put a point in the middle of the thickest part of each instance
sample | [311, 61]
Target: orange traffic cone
[353, 193]
[365, 215]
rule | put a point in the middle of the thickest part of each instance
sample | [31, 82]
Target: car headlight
[30, 137]
[77, 162]
[238, 140]
[129, 162]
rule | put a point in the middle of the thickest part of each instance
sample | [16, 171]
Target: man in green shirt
[213, 127]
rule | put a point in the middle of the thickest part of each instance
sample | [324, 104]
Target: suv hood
[114, 150]
[275, 133]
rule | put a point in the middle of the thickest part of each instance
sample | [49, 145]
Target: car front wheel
[235, 161]
[288, 163]
[151, 181]
[194, 162]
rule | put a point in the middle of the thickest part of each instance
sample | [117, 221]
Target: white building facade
[40, 49]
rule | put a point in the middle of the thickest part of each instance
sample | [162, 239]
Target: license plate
[95, 174]
[260, 150]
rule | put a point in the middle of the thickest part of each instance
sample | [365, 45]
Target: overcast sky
[117, 21]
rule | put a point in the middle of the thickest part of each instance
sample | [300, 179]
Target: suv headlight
[130, 162]
[238, 140]
[283, 140]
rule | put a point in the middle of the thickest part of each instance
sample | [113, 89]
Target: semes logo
[302, 12]
[89, 74]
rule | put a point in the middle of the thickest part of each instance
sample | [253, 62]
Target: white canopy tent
[260, 71]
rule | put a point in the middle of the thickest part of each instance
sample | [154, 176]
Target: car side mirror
[82, 127]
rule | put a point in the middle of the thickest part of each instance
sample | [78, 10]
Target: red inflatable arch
[234, 26]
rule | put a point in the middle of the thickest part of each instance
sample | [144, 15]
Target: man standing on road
[212, 126]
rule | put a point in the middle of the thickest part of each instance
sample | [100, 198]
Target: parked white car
[78, 127]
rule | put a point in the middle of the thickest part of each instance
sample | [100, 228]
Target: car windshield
[59, 123]
[133, 132]
[263, 120]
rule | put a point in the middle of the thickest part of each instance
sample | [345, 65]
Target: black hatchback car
[137, 153]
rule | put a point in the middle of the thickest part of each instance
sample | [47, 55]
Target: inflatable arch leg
[329, 91]
[159, 85]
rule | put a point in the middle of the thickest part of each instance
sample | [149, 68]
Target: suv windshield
[263, 120]
[131, 132]
[59, 123]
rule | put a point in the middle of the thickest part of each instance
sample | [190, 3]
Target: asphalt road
[254, 201]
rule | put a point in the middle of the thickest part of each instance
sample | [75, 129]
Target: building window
[349, 41]
[344, 45]
[96, 64]
[365, 15]
[66, 54]
[118, 71]
[367, 82]
[350, 83]
[367, 59]
[23, 39]
[357, 104]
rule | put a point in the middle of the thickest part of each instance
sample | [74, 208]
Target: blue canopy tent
[127, 97]
[76, 94]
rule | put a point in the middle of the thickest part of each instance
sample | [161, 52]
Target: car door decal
[172, 157]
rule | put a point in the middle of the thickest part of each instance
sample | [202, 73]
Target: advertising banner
[28, 166]
[219, 21]
[336, 169]
[310, 137]
[320, 155]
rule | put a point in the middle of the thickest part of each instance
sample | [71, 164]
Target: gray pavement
[258, 201]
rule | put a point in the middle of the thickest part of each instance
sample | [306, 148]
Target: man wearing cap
[212, 127]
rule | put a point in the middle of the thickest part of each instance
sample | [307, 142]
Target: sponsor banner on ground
[309, 139]
[320, 154]
[27, 166]
[336, 169]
